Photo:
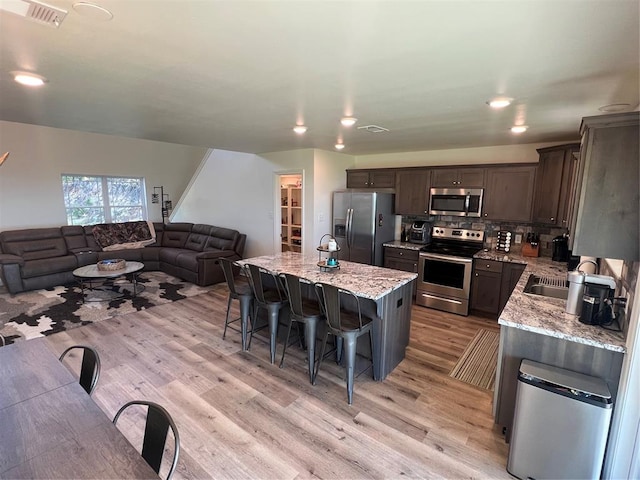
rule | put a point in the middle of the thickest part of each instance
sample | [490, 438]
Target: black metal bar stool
[239, 289]
[271, 299]
[304, 311]
[346, 326]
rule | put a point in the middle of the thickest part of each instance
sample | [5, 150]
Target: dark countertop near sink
[546, 315]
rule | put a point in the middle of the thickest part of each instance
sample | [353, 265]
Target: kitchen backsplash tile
[546, 234]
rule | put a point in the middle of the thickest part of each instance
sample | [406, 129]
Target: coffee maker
[597, 300]
[560, 249]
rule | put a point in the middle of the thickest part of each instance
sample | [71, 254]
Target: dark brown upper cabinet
[605, 223]
[553, 184]
[412, 191]
[457, 177]
[508, 194]
[375, 178]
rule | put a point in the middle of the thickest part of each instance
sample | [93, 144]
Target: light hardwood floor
[241, 417]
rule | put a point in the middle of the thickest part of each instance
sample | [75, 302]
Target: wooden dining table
[51, 428]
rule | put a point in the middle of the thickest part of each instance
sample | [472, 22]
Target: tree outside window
[98, 199]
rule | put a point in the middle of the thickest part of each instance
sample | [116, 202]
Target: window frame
[106, 206]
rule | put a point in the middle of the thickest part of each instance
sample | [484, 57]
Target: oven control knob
[467, 234]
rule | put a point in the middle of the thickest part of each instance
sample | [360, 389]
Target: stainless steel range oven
[444, 269]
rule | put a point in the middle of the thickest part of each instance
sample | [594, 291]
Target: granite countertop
[405, 245]
[365, 281]
[545, 315]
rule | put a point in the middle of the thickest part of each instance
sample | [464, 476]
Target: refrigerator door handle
[349, 226]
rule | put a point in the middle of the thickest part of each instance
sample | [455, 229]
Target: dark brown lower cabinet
[404, 259]
[492, 284]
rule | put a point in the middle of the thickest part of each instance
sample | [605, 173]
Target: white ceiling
[239, 74]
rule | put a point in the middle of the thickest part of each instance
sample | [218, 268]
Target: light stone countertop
[405, 245]
[545, 315]
[365, 281]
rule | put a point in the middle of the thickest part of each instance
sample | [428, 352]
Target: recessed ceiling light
[519, 129]
[339, 146]
[93, 11]
[299, 129]
[29, 79]
[500, 102]
[348, 121]
[614, 107]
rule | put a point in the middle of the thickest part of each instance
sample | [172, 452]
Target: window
[96, 199]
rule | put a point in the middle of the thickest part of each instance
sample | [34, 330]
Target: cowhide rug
[45, 312]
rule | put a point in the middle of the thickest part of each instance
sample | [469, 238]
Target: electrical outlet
[321, 217]
[518, 238]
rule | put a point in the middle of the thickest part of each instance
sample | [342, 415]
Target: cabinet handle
[401, 253]
[552, 219]
[488, 266]
[486, 214]
[371, 183]
[476, 274]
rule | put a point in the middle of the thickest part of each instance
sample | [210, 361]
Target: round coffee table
[89, 274]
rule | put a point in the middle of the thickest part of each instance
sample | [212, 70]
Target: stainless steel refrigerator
[362, 222]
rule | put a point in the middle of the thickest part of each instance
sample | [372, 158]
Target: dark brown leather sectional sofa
[46, 257]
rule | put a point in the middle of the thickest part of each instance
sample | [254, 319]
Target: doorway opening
[291, 212]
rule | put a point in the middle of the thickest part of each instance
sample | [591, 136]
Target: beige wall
[30, 183]
[525, 153]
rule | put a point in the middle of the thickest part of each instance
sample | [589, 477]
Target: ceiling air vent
[36, 11]
[373, 129]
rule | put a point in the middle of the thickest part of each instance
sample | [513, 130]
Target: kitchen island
[384, 294]
[537, 328]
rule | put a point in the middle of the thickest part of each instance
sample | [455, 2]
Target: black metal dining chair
[239, 289]
[270, 298]
[90, 368]
[156, 430]
[303, 311]
[345, 325]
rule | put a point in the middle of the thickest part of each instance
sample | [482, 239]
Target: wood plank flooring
[241, 417]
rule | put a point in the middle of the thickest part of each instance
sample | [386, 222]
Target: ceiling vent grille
[373, 129]
[35, 11]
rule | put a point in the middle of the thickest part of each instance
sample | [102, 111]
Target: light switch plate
[518, 238]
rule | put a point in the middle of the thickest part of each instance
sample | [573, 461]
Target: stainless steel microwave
[457, 202]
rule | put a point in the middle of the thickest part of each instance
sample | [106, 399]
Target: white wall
[233, 190]
[456, 156]
[329, 168]
[30, 179]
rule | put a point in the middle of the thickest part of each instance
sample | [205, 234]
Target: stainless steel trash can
[561, 424]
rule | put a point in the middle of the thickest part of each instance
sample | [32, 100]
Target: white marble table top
[91, 271]
[365, 281]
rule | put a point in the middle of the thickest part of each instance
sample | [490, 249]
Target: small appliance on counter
[531, 247]
[420, 232]
[597, 300]
[504, 241]
[560, 249]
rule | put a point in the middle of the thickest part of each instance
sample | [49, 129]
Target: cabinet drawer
[404, 265]
[402, 254]
[487, 266]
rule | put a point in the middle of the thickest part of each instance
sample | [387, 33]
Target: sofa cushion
[74, 237]
[33, 244]
[174, 238]
[222, 239]
[196, 241]
[48, 266]
[91, 240]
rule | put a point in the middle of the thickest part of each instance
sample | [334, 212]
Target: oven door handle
[446, 258]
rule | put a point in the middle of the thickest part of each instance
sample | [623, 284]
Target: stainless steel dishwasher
[561, 424]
